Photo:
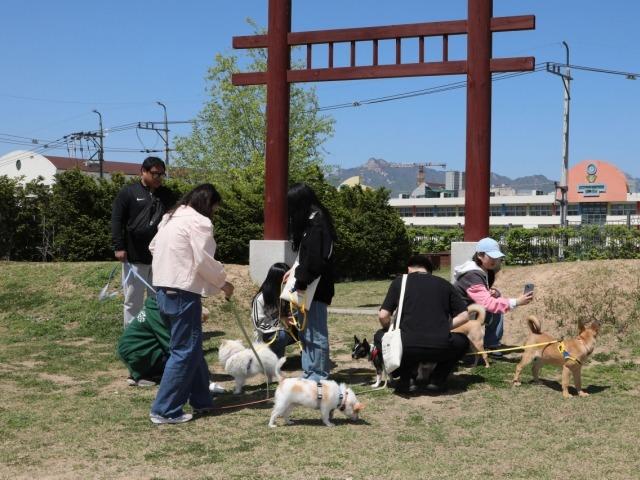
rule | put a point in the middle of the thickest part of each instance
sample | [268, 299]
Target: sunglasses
[158, 174]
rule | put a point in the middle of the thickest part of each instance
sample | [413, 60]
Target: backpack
[145, 225]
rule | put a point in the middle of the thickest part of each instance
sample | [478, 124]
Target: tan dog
[569, 354]
[474, 330]
[292, 392]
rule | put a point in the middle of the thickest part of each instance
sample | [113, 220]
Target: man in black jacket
[136, 213]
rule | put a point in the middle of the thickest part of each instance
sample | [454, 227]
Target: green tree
[372, 239]
[227, 148]
[9, 208]
[81, 211]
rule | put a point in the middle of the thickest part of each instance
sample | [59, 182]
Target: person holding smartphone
[474, 280]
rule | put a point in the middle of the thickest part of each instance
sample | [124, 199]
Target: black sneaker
[435, 388]
[402, 387]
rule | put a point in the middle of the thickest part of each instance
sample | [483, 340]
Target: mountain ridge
[401, 178]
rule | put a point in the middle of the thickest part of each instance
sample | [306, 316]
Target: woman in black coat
[313, 236]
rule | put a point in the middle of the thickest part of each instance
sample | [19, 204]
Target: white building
[30, 165]
[598, 193]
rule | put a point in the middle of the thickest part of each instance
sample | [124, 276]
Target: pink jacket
[183, 254]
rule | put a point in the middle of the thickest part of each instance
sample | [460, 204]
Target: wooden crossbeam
[430, 29]
[458, 67]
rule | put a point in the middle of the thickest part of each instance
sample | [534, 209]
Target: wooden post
[277, 147]
[478, 163]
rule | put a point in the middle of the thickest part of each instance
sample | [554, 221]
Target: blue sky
[60, 60]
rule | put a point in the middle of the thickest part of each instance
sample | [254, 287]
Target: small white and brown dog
[240, 362]
[325, 396]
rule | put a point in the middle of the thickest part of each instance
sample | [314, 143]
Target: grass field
[66, 411]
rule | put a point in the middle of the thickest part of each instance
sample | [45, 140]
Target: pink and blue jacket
[472, 283]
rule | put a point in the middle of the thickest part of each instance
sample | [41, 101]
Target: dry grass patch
[67, 412]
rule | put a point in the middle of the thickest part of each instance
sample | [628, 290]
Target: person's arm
[458, 308]
[480, 294]
[317, 248]
[119, 214]
[384, 317]
[204, 248]
[390, 303]
[259, 316]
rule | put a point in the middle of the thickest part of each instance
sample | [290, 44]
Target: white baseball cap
[490, 247]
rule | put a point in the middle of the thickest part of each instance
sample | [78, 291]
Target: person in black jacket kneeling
[313, 236]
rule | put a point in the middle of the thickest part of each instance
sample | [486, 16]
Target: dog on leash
[325, 396]
[362, 349]
[569, 354]
[240, 362]
[473, 329]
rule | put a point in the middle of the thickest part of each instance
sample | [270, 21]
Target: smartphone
[528, 287]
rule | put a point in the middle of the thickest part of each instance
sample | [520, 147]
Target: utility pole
[101, 147]
[166, 135]
[563, 187]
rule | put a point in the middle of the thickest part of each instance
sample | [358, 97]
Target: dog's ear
[358, 407]
[355, 340]
[580, 326]
[365, 343]
[595, 326]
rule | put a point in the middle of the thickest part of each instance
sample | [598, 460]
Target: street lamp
[101, 151]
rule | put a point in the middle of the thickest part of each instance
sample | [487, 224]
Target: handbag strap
[396, 323]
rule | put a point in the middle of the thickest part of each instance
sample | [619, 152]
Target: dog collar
[374, 353]
[566, 355]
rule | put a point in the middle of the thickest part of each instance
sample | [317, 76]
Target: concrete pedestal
[460, 253]
[264, 253]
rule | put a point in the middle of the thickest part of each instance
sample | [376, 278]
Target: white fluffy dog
[292, 392]
[240, 362]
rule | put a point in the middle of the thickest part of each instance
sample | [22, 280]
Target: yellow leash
[521, 347]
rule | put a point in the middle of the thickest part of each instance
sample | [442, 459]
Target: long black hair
[270, 288]
[491, 275]
[301, 202]
[202, 199]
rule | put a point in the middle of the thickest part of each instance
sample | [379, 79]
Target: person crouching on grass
[184, 270]
[431, 308]
[269, 312]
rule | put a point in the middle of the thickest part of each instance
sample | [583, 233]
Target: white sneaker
[158, 419]
[143, 382]
[215, 388]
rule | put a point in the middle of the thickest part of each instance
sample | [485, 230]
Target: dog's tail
[479, 310]
[279, 366]
[534, 324]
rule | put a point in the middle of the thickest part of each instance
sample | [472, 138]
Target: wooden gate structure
[478, 67]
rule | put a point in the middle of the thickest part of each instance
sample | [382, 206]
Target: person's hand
[494, 292]
[227, 288]
[524, 299]
[121, 255]
[285, 277]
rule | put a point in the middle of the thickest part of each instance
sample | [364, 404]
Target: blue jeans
[315, 344]
[493, 330]
[278, 345]
[186, 374]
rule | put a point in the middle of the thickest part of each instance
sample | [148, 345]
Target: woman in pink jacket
[185, 270]
[474, 281]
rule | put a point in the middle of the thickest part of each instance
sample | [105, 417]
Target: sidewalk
[353, 311]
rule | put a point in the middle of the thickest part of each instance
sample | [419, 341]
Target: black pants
[445, 357]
